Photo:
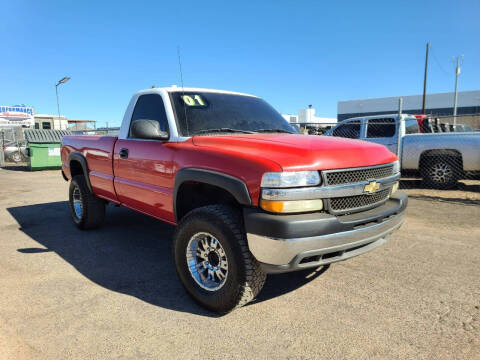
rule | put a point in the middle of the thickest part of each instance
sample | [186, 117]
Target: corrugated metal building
[440, 104]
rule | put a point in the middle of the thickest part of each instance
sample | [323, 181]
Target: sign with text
[16, 116]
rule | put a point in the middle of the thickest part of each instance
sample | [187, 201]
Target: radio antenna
[183, 90]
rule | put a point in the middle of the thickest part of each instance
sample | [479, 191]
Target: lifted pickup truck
[248, 194]
[440, 158]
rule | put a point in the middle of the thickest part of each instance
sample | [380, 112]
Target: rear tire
[88, 211]
[213, 261]
[16, 157]
[441, 173]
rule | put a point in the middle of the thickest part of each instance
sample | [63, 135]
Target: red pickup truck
[248, 194]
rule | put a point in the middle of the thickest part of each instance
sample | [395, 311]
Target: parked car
[441, 158]
[15, 151]
[248, 195]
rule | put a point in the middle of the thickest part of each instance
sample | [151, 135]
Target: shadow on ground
[419, 184]
[130, 254]
[445, 199]
[15, 167]
[453, 195]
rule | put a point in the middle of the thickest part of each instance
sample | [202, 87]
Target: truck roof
[380, 116]
[175, 88]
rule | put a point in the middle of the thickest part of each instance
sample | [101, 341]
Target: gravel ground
[113, 292]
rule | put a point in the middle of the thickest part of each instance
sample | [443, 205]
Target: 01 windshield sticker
[194, 100]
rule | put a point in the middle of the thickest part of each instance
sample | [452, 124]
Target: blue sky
[292, 53]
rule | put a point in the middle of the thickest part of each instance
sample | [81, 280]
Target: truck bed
[98, 151]
[466, 144]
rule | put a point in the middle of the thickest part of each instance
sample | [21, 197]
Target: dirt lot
[113, 292]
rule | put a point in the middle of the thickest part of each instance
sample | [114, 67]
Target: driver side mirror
[147, 129]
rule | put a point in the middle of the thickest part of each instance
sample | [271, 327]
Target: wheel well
[453, 155]
[75, 168]
[192, 195]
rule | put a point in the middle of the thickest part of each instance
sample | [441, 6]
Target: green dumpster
[44, 148]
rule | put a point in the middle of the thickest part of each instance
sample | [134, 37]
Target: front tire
[213, 261]
[88, 211]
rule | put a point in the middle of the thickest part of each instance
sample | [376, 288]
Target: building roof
[50, 116]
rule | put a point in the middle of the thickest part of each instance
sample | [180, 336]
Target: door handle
[123, 153]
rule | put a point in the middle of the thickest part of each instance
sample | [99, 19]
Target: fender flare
[233, 185]
[75, 156]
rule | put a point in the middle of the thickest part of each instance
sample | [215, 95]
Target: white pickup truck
[440, 158]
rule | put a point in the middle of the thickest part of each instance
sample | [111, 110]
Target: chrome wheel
[77, 202]
[441, 173]
[207, 261]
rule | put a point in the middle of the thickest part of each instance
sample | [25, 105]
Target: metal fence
[13, 145]
[441, 153]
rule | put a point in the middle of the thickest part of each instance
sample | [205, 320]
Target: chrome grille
[349, 203]
[353, 176]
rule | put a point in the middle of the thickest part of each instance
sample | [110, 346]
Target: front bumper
[283, 243]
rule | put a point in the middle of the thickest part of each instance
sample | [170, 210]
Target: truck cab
[381, 129]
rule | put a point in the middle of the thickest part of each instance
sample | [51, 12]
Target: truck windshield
[198, 112]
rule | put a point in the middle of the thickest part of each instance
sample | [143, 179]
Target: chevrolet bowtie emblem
[371, 187]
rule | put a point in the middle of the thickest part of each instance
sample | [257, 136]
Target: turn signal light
[395, 188]
[296, 206]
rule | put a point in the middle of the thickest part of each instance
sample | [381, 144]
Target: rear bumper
[283, 243]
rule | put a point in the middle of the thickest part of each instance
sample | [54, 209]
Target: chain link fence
[439, 153]
[435, 152]
[13, 146]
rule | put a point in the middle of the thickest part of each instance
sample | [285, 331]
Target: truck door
[382, 131]
[143, 168]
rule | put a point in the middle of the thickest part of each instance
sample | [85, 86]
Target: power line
[438, 62]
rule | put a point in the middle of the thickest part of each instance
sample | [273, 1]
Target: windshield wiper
[220, 130]
[274, 131]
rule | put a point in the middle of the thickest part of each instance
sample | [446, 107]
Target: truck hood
[301, 152]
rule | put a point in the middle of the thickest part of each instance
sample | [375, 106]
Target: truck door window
[381, 128]
[350, 130]
[150, 107]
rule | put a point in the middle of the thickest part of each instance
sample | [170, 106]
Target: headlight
[295, 206]
[396, 167]
[290, 179]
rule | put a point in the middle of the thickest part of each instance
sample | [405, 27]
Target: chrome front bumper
[278, 254]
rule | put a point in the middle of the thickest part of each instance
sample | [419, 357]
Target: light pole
[61, 81]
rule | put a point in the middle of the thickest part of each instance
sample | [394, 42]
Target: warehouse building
[440, 104]
[307, 116]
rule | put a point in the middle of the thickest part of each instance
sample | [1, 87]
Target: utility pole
[425, 78]
[455, 98]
